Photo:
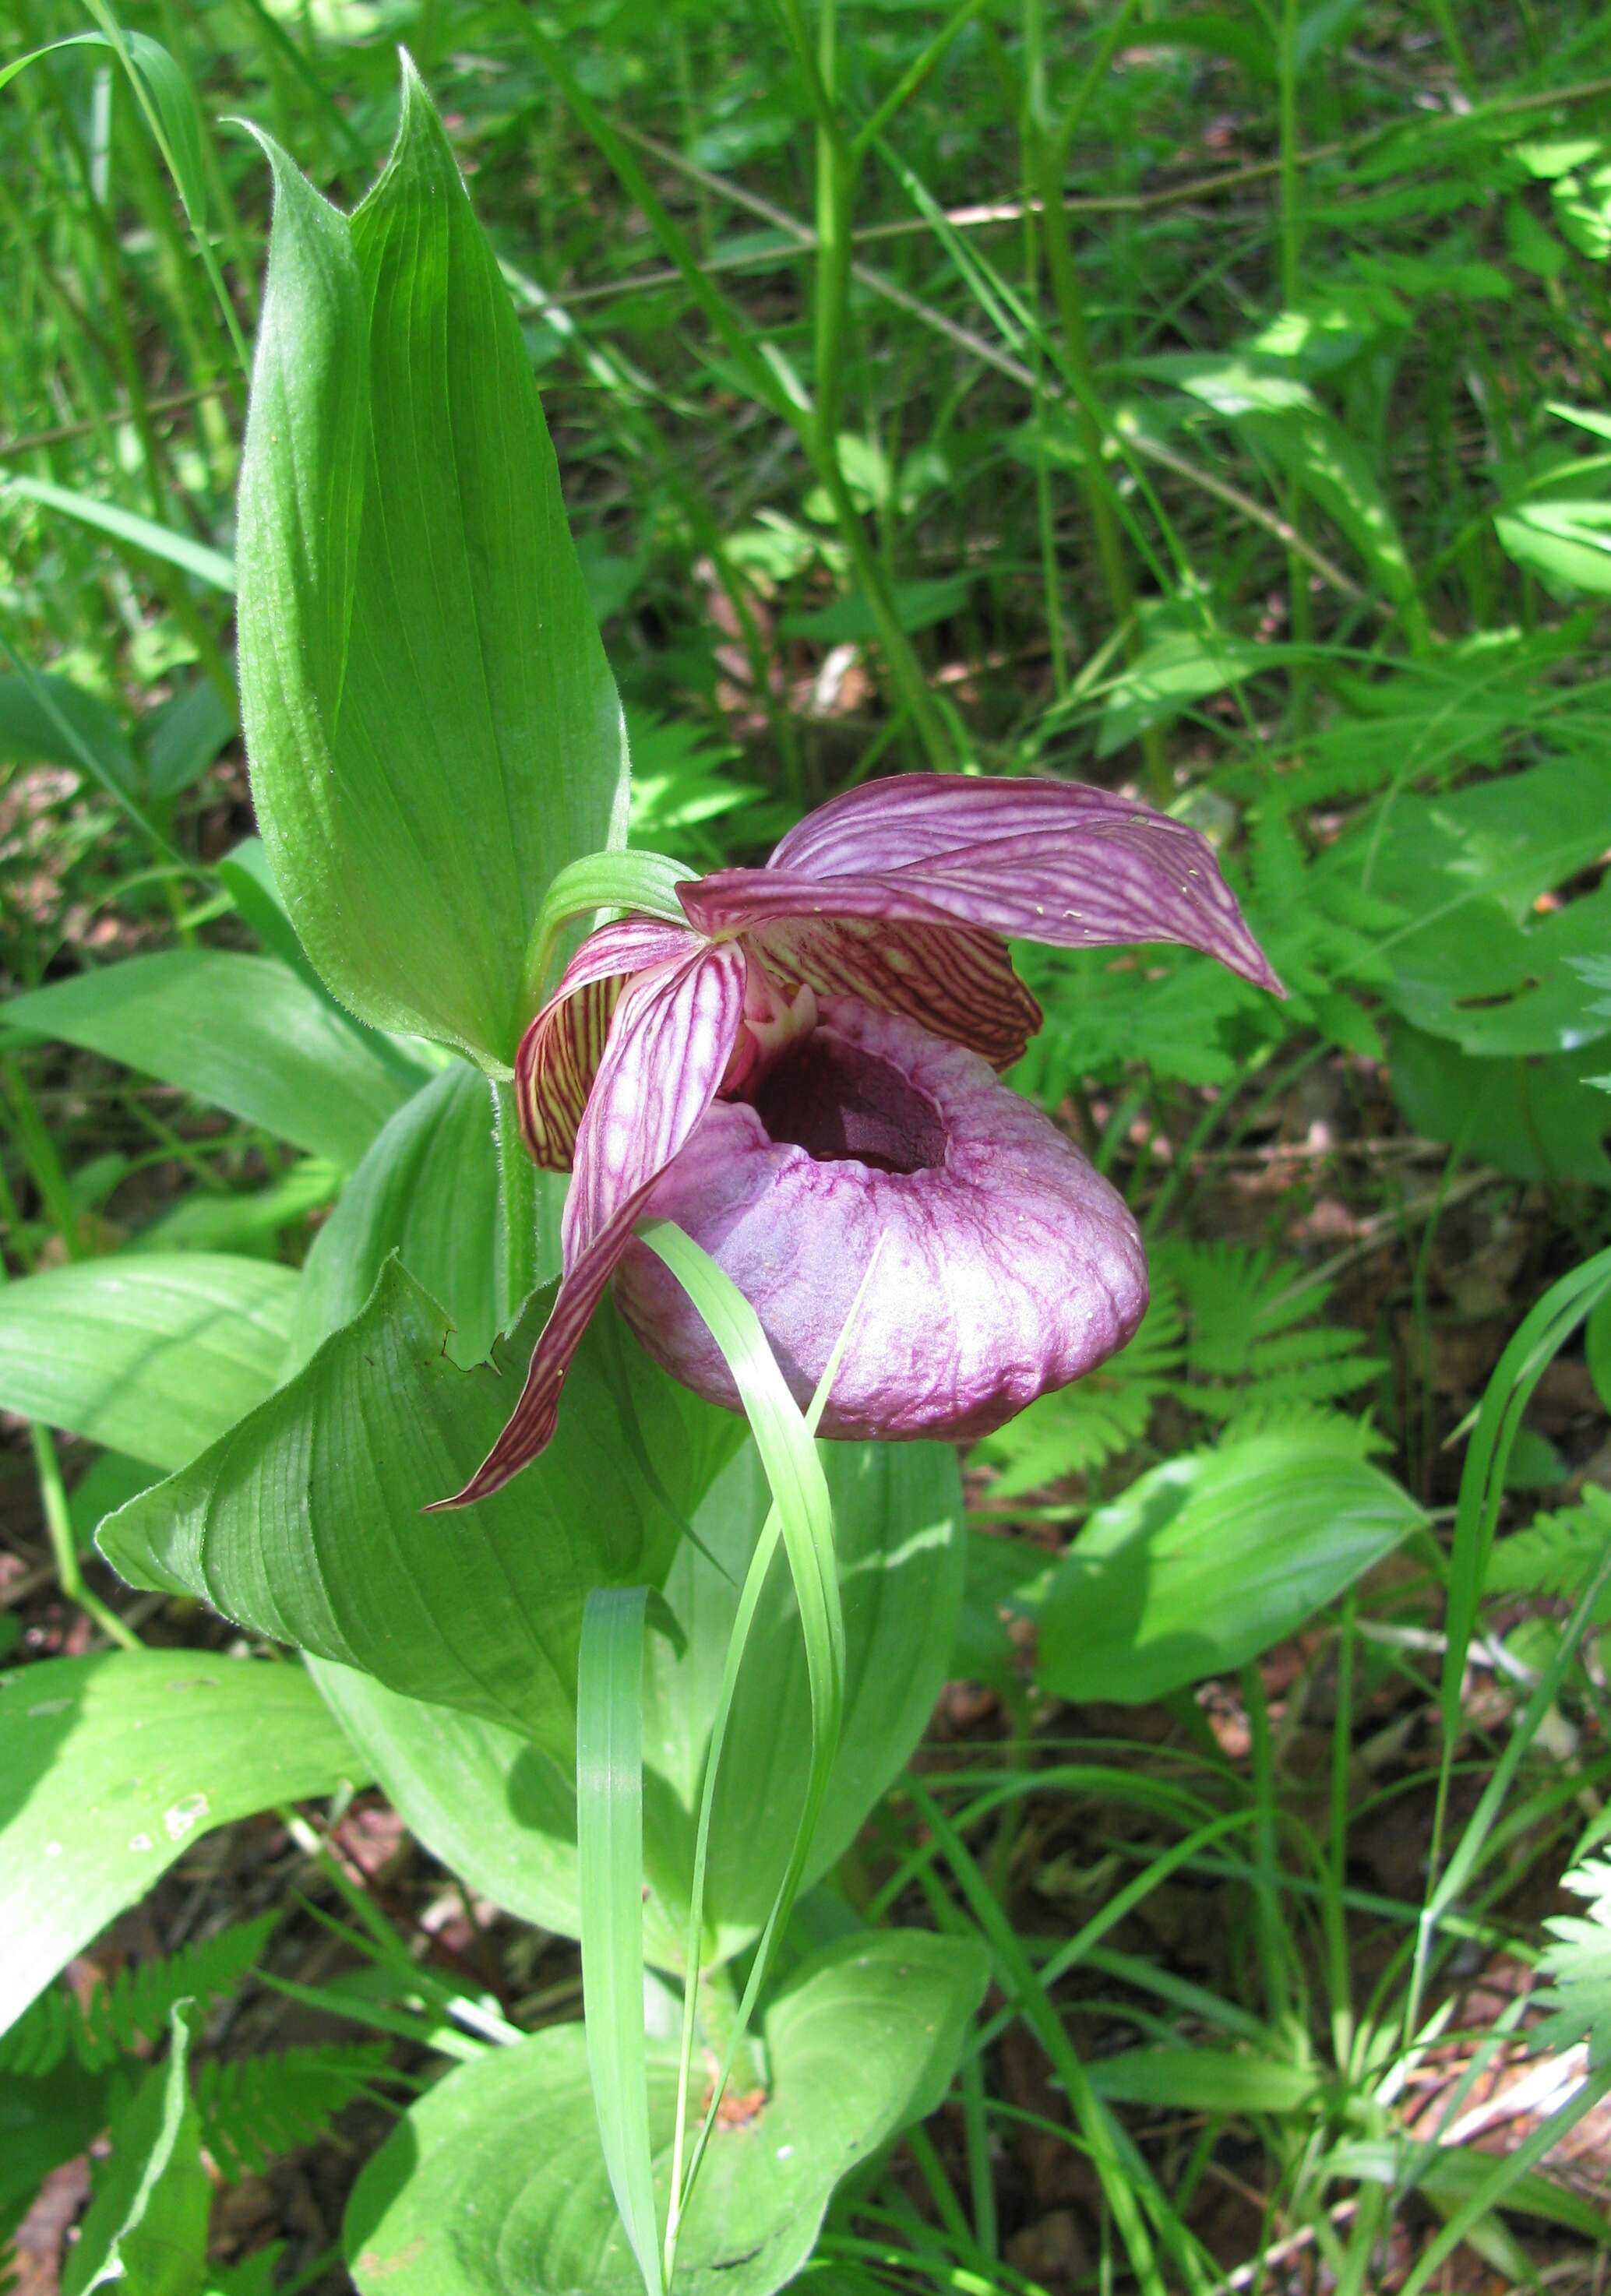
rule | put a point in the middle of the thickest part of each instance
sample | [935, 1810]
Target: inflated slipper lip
[1008, 1268]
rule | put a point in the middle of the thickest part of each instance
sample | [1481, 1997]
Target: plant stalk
[517, 1208]
[64, 1546]
[1044, 151]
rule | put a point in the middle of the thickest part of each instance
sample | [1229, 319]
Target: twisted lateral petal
[560, 1052]
[670, 1043]
[955, 982]
[1006, 1264]
[1047, 861]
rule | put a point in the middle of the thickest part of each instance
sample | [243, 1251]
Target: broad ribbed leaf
[502, 1814]
[1209, 1558]
[305, 1523]
[432, 726]
[112, 1766]
[1037, 860]
[242, 1033]
[1484, 877]
[1539, 1119]
[494, 2185]
[151, 1353]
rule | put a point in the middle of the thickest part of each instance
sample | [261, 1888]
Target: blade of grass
[765, 377]
[736, 1328]
[1538, 1339]
[208, 566]
[1119, 2168]
[610, 1844]
[168, 107]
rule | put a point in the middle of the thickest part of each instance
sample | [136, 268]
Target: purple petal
[956, 983]
[1007, 1265]
[1047, 861]
[908, 817]
[560, 1052]
[669, 1044]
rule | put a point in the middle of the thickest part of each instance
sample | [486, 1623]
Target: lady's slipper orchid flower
[807, 1069]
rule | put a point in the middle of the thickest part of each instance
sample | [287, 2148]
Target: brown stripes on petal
[955, 982]
[560, 1052]
[554, 1068]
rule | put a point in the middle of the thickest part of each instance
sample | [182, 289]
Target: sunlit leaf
[242, 1033]
[151, 1353]
[494, 2185]
[432, 727]
[1210, 1558]
[112, 1766]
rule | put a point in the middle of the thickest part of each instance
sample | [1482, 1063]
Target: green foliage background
[1210, 399]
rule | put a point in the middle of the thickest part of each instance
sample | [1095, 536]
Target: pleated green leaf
[432, 727]
[1209, 1558]
[494, 2185]
[242, 1033]
[153, 1353]
[111, 1766]
[502, 1814]
[428, 1190]
[305, 1522]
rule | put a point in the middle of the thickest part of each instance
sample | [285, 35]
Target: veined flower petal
[956, 983]
[1007, 1265]
[1047, 861]
[669, 1042]
[560, 1052]
[910, 817]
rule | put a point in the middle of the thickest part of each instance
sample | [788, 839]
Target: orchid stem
[64, 1544]
[837, 170]
[517, 1202]
[1045, 151]
[1300, 605]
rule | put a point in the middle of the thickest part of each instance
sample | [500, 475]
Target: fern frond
[1336, 1433]
[135, 2007]
[1253, 1349]
[1556, 1553]
[1305, 1383]
[1321, 930]
[252, 2108]
[1579, 1960]
[1105, 1013]
[682, 781]
[1068, 1433]
[1234, 1296]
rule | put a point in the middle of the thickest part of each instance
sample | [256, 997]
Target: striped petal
[956, 983]
[889, 825]
[669, 1044]
[1047, 861]
[560, 1052]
